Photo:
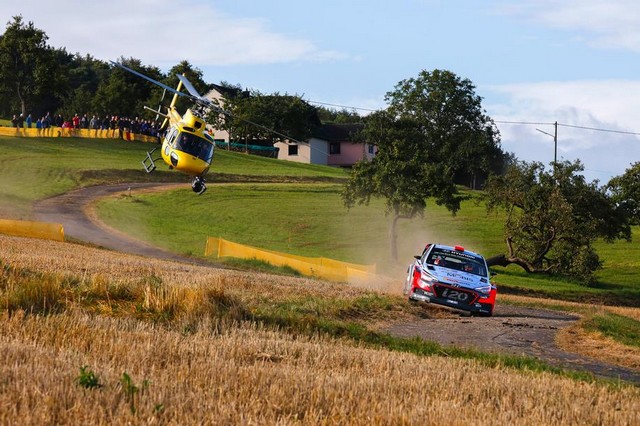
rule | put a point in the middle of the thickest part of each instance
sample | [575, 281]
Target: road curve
[71, 210]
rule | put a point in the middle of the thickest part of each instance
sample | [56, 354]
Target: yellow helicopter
[185, 146]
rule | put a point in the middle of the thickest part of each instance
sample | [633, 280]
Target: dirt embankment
[512, 330]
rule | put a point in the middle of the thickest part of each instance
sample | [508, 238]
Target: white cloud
[611, 24]
[611, 105]
[164, 32]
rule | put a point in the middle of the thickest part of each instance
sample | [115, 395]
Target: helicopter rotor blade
[156, 82]
[197, 98]
[187, 84]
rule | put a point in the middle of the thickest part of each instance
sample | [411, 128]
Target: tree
[405, 172]
[433, 128]
[84, 75]
[553, 218]
[625, 192]
[451, 113]
[343, 116]
[123, 93]
[270, 118]
[27, 65]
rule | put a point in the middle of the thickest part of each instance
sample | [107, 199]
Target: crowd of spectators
[108, 122]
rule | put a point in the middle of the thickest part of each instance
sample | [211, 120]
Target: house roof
[229, 92]
[337, 132]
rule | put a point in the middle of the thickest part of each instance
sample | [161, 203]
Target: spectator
[39, 123]
[76, 121]
[14, 121]
[29, 121]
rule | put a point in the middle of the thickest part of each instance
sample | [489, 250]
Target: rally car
[453, 277]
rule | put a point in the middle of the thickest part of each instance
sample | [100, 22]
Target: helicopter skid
[149, 163]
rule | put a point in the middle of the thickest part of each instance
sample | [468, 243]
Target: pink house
[331, 145]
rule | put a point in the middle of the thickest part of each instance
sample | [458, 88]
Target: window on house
[334, 148]
[293, 149]
[371, 149]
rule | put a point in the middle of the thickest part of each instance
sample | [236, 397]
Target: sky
[534, 63]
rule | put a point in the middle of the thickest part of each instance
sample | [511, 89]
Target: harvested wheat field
[96, 337]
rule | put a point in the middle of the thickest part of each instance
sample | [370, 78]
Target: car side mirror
[492, 273]
[417, 256]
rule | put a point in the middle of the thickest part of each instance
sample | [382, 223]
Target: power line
[524, 122]
[342, 106]
[568, 125]
[532, 123]
[599, 130]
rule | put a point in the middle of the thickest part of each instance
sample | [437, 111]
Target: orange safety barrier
[59, 132]
[22, 228]
[320, 267]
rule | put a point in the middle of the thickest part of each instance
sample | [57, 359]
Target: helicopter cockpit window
[194, 145]
[171, 137]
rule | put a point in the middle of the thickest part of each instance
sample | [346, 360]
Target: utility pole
[555, 143]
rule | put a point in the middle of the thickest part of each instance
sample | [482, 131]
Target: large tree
[27, 65]
[405, 172]
[433, 129]
[553, 218]
[450, 112]
[625, 192]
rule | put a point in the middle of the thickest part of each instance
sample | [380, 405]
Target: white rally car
[453, 277]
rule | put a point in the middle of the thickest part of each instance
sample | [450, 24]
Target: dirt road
[512, 330]
[71, 210]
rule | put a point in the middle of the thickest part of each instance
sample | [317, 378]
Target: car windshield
[460, 261]
[195, 145]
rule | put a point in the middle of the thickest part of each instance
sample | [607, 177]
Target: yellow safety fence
[59, 132]
[321, 267]
[21, 228]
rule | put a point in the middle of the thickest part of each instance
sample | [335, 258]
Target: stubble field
[172, 343]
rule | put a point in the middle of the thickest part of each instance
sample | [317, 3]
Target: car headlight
[485, 289]
[426, 281]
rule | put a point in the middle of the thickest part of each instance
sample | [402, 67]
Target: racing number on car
[455, 294]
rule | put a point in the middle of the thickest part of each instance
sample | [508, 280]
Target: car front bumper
[419, 295]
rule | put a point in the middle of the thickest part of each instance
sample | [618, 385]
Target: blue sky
[571, 61]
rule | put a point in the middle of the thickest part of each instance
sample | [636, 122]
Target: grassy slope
[31, 169]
